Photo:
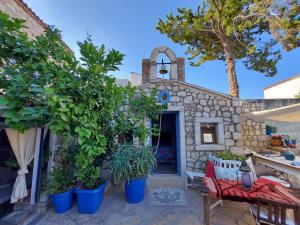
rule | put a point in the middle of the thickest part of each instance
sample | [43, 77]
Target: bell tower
[149, 66]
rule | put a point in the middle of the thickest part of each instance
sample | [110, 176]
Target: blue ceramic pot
[135, 190]
[62, 202]
[88, 201]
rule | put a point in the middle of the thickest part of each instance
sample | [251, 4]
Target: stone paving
[116, 211]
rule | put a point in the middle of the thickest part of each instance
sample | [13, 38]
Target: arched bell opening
[163, 67]
[169, 57]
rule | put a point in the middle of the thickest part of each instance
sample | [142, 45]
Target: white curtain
[23, 146]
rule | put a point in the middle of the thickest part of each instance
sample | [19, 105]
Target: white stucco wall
[135, 78]
[286, 89]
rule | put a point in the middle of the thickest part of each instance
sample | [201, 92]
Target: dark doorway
[167, 148]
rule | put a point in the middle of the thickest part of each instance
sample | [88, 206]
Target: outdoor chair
[195, 180]
[270, 212]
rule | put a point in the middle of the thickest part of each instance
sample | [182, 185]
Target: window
[208, 133]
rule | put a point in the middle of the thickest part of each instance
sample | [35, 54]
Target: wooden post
[206, 210]
[297, 215]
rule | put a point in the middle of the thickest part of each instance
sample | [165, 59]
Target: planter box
[62, 202]
[88, 201]
[226, 169]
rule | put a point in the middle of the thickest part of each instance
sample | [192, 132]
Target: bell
[163, 69]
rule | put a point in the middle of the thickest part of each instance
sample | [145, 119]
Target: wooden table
[231, 190]
[280, 164]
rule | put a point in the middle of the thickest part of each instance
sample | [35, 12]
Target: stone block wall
[254, 132]
[200, 104]
[16, 8]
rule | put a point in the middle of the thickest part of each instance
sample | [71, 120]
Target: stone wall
[199, 105]
[254, 132]
[17, 8]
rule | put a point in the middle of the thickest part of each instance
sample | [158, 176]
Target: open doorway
[167, 151]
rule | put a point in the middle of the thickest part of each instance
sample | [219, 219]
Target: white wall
[287, 89]
[135, 79]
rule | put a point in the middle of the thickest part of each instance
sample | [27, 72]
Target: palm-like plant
[131, 162]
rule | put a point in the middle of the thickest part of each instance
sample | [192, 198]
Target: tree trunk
[230, 66]
[232, 78]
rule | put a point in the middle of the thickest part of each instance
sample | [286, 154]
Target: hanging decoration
[164, 97]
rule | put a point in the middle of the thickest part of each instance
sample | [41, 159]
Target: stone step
[166, 180]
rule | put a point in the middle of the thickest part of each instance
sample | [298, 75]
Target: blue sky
[129, 26]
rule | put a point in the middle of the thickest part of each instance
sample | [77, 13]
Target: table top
[278, 159]
[232, 190]
[278, 162]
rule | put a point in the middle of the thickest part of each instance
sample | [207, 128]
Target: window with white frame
[209, 133]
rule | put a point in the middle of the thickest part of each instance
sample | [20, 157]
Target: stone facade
[17, 8]
[254, 132]
[202, 105]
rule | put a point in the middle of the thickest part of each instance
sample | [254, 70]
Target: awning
[289, 113]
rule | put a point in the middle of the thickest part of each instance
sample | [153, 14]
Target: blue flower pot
[62, 202]
[135, 190]
[88, 201]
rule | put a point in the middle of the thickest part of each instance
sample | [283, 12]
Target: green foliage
[130, 162]
[28, 67]
[236, 29]
[62, 175]
[88, 108]
[298, 95]
[43, 84]
[136, 105]
[228, 155]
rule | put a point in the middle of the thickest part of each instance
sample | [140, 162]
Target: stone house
[197, 122]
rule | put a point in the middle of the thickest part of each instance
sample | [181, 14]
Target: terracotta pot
[275, 142]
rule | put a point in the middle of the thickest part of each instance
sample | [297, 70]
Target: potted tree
[91, 188]
[131, 164]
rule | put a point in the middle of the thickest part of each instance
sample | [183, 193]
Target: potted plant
[227, 165]
[289, 141]
[276, 140]
[131, 164]
[61, 179]
[91, 188]
[61, 190]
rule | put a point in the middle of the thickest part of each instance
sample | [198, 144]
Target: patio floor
[115, 211]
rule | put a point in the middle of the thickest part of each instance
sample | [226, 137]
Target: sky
[129, 26]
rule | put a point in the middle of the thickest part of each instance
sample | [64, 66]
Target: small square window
[209, 133]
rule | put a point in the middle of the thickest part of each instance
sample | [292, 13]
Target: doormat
[167, 196]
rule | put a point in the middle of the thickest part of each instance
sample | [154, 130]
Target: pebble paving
[115, 211]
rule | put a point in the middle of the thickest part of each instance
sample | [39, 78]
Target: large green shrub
[27, 67]
[43, 84]
[131, 162]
